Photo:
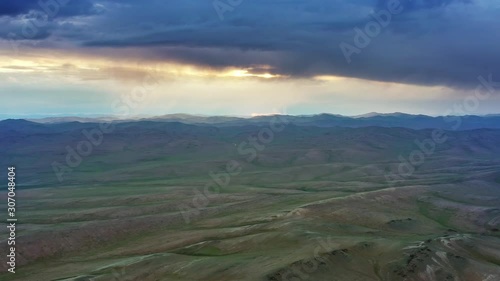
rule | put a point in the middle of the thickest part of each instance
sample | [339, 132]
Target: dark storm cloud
[414, 5]
[431, 42]
[72, 8]
[38, 19]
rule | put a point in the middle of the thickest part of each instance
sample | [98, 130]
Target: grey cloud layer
[440, 42]
[20, 7]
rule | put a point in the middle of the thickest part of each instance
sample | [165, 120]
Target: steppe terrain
[314, 203]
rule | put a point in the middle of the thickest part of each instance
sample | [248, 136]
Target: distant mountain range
[397, 119]
[115, 155]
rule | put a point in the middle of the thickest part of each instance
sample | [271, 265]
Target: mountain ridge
[398, 119]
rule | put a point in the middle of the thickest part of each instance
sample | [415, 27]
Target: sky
[247, 57]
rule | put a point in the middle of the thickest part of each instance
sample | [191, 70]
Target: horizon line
[30, 117]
